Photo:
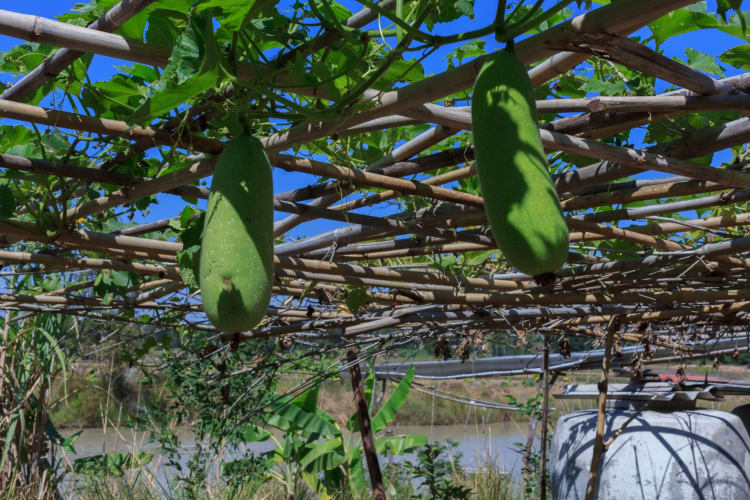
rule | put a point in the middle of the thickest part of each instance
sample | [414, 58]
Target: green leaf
[110, 283]
[234, 12]
[308, 400]
[192, 69]
[330, 453]
[356, 298]
[472, 49]
[145, 73]
[111, 464]
[291, 418]
[449, 10]
[7, 202]
[398, 445]
[188, 259]
[401, 71]
[611, 87]
[703, 62]
[739, 57]
[387, 413]
[67, 443]
[253, 434]
[163, 27]
[681, 21]
[357, 480]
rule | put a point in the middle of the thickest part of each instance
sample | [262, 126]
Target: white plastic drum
[677, 455]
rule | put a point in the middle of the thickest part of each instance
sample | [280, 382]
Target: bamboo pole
[405, 248]
[563, 61]
[365, 429]
[134, 193]
[698, 144]
[542, 299]
[389, 194]
[89, 302]
[49, 32]
[105, 126]
[643, 193]
[639, 57]
[644, 104]
[53, 65]
[677, 226]
[725, 308]
[628, 157]
[609, 232]
[411, 148]
[591, 488]
[362, 178]
[39, 166]
[392, 274]
[545, 418]
[715, 200]
[87, 263]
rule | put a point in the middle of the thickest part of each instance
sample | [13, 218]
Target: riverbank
[94, 399]
[485, 460]
[99, 396]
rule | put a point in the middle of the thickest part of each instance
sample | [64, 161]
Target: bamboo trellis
[671, 284]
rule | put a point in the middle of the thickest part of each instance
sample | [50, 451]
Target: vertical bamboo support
[545, 419]
[365, 429]
[530, 441]
[614, 323]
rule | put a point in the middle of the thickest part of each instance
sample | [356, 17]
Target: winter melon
[236, 262]
[520, 200]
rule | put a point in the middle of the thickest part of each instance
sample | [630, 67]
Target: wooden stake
[614, 324]
[545, 418]
[363, 418]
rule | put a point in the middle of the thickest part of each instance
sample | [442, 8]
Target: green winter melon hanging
[520, 200]
[236, 262]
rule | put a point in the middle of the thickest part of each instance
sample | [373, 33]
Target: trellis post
[365, 429]
[614, 324]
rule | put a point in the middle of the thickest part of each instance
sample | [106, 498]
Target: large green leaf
[682, 21]
[254, 434]
[308, 400]
[192, 69]
[398, 445]
[326, 455]
[388, 412]
[291, 418]
[739, 57]
[234, 12]
[703, 62]
[357, 480]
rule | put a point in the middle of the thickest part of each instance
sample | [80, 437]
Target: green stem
[408, 28]
[523, 26]
[390, 59]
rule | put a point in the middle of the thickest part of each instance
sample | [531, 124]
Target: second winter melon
[520, 200]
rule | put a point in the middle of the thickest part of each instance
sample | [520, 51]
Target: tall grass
[487, 482]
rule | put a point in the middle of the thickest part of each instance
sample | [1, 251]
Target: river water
[478, 444]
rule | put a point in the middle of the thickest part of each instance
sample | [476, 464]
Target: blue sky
[708, 41]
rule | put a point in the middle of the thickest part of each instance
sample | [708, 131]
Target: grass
[488, 482]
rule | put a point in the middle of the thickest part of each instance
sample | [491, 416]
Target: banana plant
[324, 454]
